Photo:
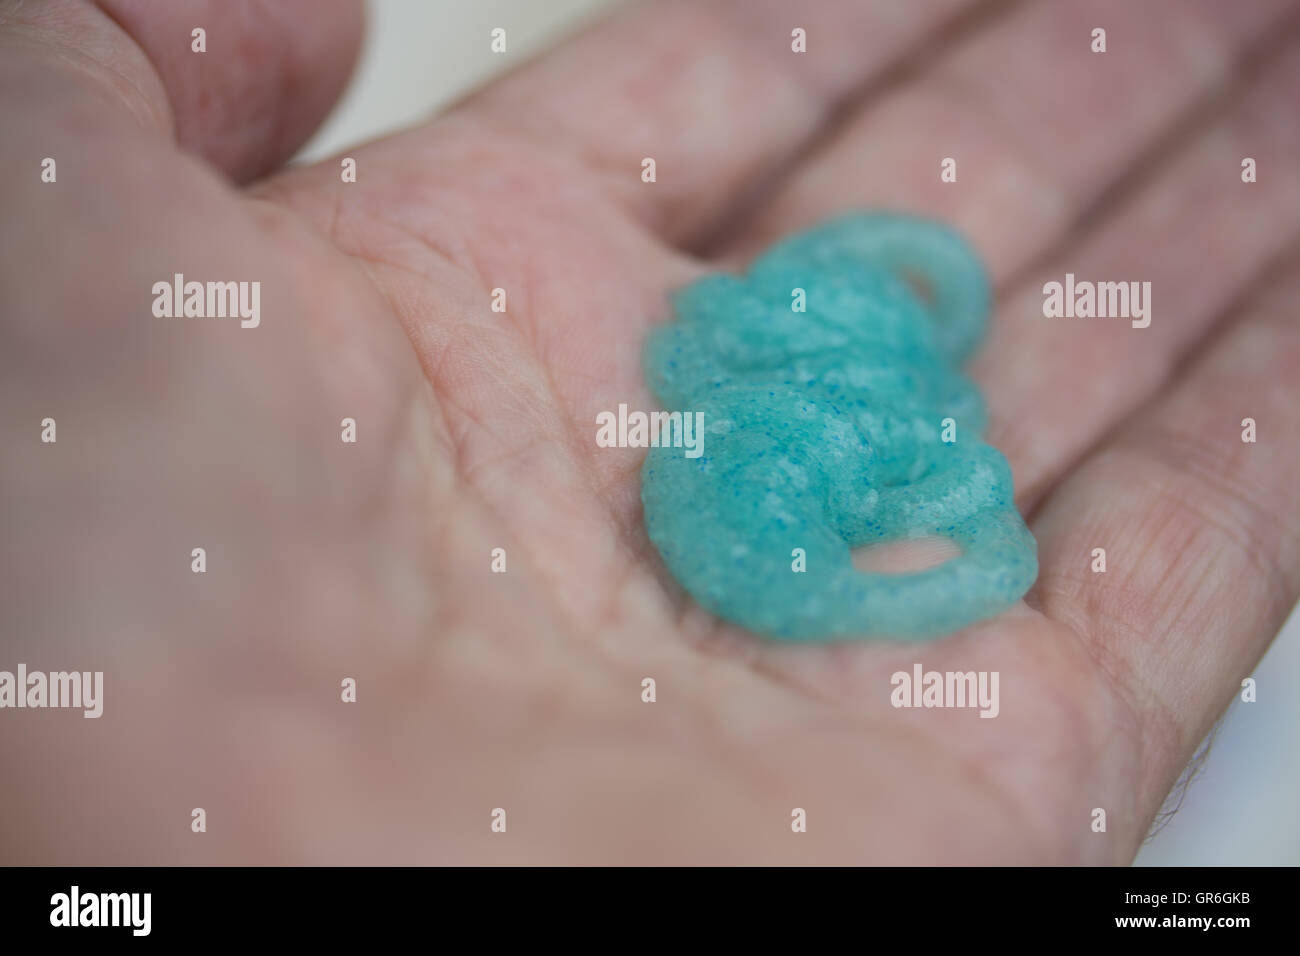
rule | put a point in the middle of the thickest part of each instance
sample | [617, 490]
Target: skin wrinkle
[471, 270]
[426, 241]
[1256, 534]
[588, 468]
[538, 565]
[467, 269]
[142, 107]
[157, 104]
[430, 363]
[511, 454]
[1185, 457]
[1127, 728]
[1131, 727]
[976, 774]
[515, 546]
[417, 457]
[569, 440]
[1109, 666]
[128, 39]
[1129, 688]
[332, 230]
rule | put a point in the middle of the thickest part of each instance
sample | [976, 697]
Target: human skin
[476, 431]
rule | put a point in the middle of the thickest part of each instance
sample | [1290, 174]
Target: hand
[476, 430]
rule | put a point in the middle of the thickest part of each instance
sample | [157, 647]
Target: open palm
[476, 431]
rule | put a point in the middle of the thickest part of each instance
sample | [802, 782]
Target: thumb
[268, 73]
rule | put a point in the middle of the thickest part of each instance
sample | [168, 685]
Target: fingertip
[267, 73]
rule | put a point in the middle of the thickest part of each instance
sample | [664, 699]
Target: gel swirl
[823, 433]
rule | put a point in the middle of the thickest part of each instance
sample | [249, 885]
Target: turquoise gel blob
[822, 432]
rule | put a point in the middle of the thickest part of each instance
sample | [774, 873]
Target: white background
[1242, 808]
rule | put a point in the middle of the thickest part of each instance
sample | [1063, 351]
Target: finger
[1201, 532]
[1037, 123]
[270, 71]
[1197, 233]
[712, 91]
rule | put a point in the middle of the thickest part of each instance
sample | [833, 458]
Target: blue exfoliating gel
[825, 431]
